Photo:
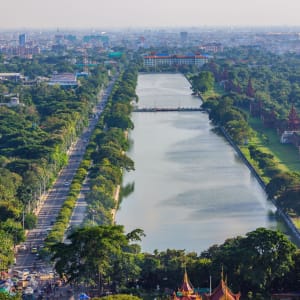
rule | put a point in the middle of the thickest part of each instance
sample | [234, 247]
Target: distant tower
[183, 37]
[22, 40]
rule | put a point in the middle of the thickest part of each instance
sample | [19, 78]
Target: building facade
[174, 60]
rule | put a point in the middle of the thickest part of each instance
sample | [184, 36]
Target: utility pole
[23, 219]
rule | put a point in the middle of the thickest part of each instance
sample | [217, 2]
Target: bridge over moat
[166, 109]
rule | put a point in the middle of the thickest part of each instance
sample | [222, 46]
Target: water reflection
[127, 190]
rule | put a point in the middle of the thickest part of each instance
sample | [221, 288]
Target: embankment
[281, 213]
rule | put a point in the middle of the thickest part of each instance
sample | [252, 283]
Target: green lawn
[296, 221]
[286, 155]
[267, 140]
[254, 164]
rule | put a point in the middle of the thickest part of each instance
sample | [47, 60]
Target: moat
[191, 188]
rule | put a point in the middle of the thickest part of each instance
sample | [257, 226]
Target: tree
[279, 184]
[30, 221]
[6, 250]
[254, 262]
[14, 229]
[239, 131]
[268, 255]
[202, 82]
[91, 254]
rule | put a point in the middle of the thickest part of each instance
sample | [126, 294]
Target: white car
[23, 247]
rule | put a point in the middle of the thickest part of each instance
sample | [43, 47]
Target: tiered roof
[186, 292]
[222, 292]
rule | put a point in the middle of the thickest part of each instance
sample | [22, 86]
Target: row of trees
[223, 112]
[102, 253]
[34, 139]
[258, 264]
[273, 78]
[103, 162]
[110, 146]
[245, 74]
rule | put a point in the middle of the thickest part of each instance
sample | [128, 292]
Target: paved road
[57, 195]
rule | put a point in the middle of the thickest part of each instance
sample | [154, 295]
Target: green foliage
[254, 262]
[202, 82]
[94, 254]
[267, 163]
[107, 149]
[289, 200]
[223, 112]
[30, 221]
[14, 229]
[35, 137]
[4, 296]
[6, 249]
[279, 184]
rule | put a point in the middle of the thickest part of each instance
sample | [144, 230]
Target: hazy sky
[146, 13]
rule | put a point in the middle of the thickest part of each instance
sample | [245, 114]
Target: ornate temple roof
[186, 292]
[222, 292]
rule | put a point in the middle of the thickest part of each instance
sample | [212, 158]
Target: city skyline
[147, 13]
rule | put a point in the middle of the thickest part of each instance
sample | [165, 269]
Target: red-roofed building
[222, 292]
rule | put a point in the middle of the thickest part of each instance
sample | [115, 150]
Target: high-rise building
[183, 36]
[22, 40]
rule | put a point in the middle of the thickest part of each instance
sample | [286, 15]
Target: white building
[174, 60]
[64, 79]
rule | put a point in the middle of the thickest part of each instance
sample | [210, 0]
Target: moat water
[191, 189]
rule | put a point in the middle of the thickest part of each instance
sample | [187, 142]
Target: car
[34, 250]
[23, 247]
[67, 183]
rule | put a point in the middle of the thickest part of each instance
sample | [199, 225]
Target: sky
[147, 13]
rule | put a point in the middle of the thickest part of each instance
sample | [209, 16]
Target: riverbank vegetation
[109, 149]
[256, 94]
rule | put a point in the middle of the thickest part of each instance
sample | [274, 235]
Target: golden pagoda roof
[186, 292]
